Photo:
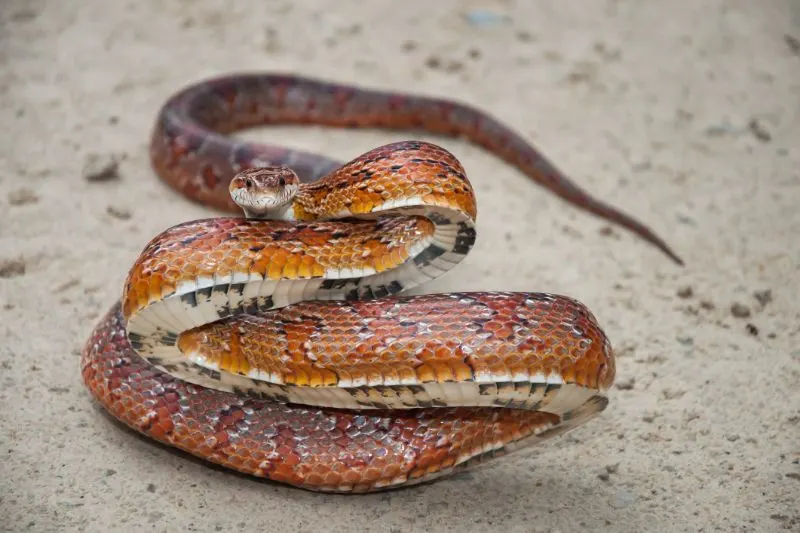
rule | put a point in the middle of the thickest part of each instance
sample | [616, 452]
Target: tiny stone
[151, 487]
[752, 329]
[763, 297]
[118, 212]
[22, 196]
[732, 437]
[101, 167]
[685, 292]
[740, 310]
[606, 231]
[793, 43]
[433, 62]
[707, 305]
[409, 46]
[670, 394]
[686, 340]
[474, 53]
[627, 384]
[603, 476]
[758, 131]
[110, 472]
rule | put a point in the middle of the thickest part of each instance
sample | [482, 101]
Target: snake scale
[280, 348]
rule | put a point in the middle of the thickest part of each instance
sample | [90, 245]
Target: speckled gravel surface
[685, 115]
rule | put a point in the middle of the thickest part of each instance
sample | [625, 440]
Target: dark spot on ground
[11, 268]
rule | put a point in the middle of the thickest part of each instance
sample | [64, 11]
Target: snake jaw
[265, 192]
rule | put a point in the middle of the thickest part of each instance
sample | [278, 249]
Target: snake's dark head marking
[264, 191]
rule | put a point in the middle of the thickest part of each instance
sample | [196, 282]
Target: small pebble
[627, 384]
[763, 297]
[752, 329]
[433, 62]
[793, 43]
[685, 292]
[118, 212]
[740, 310]
[707, 305]
[758, 131]
[409, 46]
[670, 394]
[101, 167]
[686, 340]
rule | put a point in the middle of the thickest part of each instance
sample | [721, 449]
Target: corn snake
[369, 390]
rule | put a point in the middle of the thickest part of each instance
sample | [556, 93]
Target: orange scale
[426, 354]
[305, 267]
[142, 298]
[274, 271]
[314, 479]
[444, 372]
[230, 261]
[374, 374]
[371, 474]
[425, 373]
[498, 368]
[462, 372]
[443, 352]
[328, 377]
[391, 471]
[295, 375]
[417, 473]
[333, 479]
[406, 373]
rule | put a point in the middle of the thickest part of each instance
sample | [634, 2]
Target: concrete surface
[685, 114]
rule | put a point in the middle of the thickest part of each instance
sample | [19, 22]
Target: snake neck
[284, 212]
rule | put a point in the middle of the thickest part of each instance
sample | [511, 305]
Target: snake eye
[282, 181]
[248, 183]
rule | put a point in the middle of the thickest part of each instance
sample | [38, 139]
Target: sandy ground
[686, 116]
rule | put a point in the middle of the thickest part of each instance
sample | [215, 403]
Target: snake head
[264, 192]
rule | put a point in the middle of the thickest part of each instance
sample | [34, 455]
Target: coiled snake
[222, 348]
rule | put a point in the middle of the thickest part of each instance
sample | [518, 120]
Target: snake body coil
[280, 348]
